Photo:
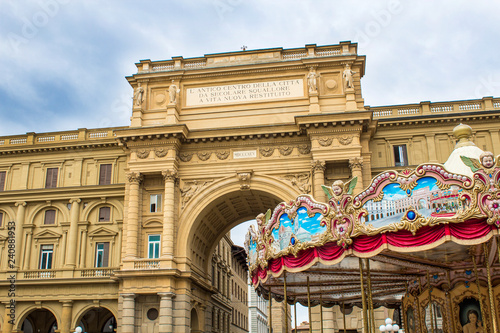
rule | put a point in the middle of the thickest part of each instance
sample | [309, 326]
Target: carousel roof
[427, 222]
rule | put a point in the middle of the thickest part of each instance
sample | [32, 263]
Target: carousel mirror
[434, 321]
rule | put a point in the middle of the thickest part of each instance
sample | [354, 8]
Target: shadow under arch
[40, 319]
[218, 208]
[95, 319]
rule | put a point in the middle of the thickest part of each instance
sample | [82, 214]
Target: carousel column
[169, 177]
[128, 313]
[363, 298]
[356, 165]
[134, 179]
[318, 170]
[165, 312]
[21, 210]
[73, 233]
[490, 289]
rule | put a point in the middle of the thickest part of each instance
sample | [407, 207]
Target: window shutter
[104, 214]
[2, 181]
[51, 180]
[105, 257]
[1, 219]
[105, 174]
[50, 217]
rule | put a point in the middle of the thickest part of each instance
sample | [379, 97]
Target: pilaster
[356, 165]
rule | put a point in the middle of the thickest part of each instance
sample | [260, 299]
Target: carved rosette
[161, 152]
[304, 149]
[356, 163]
[142, 153]
[204, 155]
[222, 155]
[266, 151]
[318, 166]
[169, 175]
[134, 177]
[185, 157]
[345, 139]
[244, 178]
[285, 150]
[325, 141]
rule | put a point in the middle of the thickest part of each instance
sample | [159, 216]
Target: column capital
[318, 166]
[166, 295]
[169, 175]
[128, 295]
[134, 177]
[21, 203]
[356, 162]
[66, 303]
[73, 200]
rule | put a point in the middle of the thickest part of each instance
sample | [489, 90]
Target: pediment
[46, 234]
[152, 224]
[102, 232]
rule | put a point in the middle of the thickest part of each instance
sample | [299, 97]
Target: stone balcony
[433, 109]
[48, 274]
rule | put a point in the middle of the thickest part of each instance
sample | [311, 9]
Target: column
[128, 313]
[21, 210]
[83, 254]
[67, 309]
[167, 241]
[318, 170]
[356, 165]
[166, 313]
[134, 179]
[74, 214]
[27, 254]
[495, 140]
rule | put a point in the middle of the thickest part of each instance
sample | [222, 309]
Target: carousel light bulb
[388, 327]
[78, 330]
[382, 328]
[388, 321]
[395, 327]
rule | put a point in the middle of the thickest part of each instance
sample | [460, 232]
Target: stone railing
[97, 272]
[147, 264]
[40, 274]
[428, 108]
[82, 134]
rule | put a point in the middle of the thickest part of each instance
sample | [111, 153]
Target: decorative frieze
[142, 153]
[204, 155]
[266, 151]
[304, 149]
[222, 154]
[325, 141]
[186, 157]
[345, 139]
[285, 150]
[161, 152]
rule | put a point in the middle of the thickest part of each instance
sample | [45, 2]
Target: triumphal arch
[121, 225]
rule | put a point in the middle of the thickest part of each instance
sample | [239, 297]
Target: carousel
[423, 241]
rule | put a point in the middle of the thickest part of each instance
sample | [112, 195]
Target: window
[51, 179]
[102, 254]
[153, 246]
[46, 253]
[400, 155]
[1, 219]
[2, 180]
[104, 214]
[155, 203]
[105, 174]
[50, 217]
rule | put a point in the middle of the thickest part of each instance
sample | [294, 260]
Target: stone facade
[120, 225]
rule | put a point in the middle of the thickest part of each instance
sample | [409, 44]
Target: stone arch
[9, 214]
[195, 322]
[31, 309]
[118, 206]
[265, 191]
[61, 208]
[89, 307]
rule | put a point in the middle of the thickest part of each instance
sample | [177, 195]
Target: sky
[63, 63]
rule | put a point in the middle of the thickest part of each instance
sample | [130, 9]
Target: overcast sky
[63, 62]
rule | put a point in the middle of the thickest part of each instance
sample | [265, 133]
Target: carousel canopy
[424, 222]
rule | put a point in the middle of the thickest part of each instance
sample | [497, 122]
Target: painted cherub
[339, 188]
[486, 162]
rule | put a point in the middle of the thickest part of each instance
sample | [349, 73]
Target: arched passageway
[39, 321]
[98, 320]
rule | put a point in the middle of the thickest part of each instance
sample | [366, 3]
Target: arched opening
[98, 320]
[195, 326]
[40, 321]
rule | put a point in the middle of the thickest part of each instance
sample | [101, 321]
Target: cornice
[55, 148]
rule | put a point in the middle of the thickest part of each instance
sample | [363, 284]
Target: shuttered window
[105, 174]
[102, 255]
[50, 217]
[2, 180]
[51, 180]
[1, 219]
[104, 214]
